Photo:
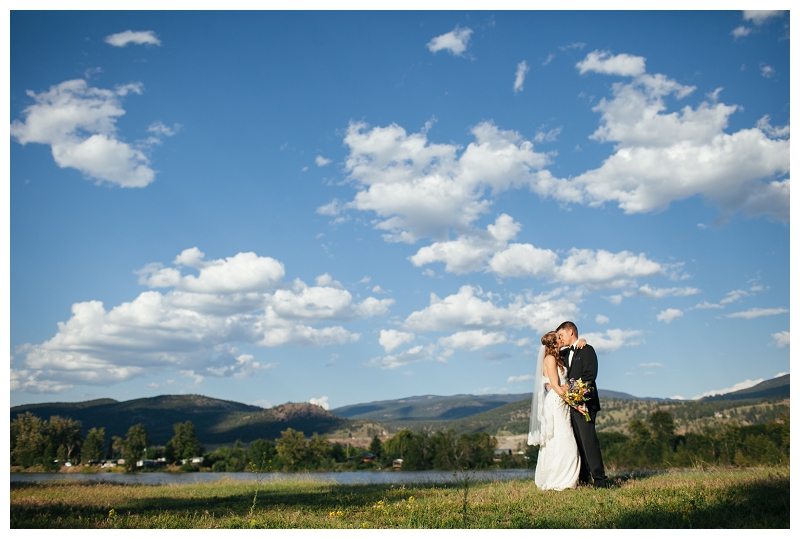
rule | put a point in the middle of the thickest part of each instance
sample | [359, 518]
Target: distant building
[498, 454]
[367, 457]
[397, 463]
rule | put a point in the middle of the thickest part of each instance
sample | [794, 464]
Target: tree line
[51, 443]
[654, 444]
[650, 444]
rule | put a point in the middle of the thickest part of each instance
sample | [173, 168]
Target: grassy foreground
[752, 498]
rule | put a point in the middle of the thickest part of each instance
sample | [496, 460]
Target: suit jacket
[584, 366]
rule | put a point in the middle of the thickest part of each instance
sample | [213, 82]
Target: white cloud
[707, 305]
[194, 327]
[668, 315]
[242, 366]
[660, 157]
[160, 129]
[519, 76]
[490, 251]
[413, 355]
[466, 310]
[767, 71]
[549, 59]
[391, 339]
[780, 339]
[735, 387]
[774, 132]
[756, 312]
[137, 38]
[658, 293]
[420, 189]
[620, 64]
[733, 295]
[577, 45]
[521, 378]
[472, 340]
[740, 31]
[616, 299]
[612, 340]
[455, 41]
[759, 16]
[601, 319]
[263, 403]
[650, 365]
[321, 161]
[78, 122]
[326, 280]
[245, 272]
[322, 402]
[550, 136]
[602, 269]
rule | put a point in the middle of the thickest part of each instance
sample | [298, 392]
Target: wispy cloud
[519, 77]
[321, 402]
[740, 31]
[455, 41]
[577, 45]
[781, 339]
[756, 312]
[137, 38]
[668, 315]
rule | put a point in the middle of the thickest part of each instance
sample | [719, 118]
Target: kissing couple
[569, 452]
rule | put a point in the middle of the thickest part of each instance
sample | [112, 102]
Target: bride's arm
[552, 374]
[580, 343]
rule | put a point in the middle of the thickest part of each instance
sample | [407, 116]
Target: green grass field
[722, 498]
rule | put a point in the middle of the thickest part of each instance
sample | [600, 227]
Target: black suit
[584, 366]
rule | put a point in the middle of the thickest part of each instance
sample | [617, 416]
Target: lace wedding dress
[558, 465]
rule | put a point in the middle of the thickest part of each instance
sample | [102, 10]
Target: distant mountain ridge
[216, 421]
[444, 408]
[219, 421]
[776, 387]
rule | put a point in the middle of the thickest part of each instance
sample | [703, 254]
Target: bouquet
[577, 393]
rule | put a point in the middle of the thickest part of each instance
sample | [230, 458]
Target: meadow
[712, 498]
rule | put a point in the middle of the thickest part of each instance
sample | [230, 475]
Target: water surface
[341, 478]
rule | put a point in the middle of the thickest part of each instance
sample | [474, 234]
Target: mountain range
[219, 421]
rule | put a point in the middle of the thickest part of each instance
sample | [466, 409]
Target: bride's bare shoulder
[549, 358]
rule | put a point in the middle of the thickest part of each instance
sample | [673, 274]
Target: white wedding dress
[558, 465]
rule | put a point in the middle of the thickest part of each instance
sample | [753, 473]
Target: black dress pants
[592, 469]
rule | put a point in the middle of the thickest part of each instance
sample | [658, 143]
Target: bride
[558, 465]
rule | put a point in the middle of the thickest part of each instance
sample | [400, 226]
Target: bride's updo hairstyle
[550, 343]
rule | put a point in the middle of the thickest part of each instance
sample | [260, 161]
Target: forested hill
[216, 421]
[223, 422]
[776, 387]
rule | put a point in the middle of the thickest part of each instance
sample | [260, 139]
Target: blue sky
[342, 207]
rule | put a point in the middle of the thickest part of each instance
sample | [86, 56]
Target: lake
[341, 478]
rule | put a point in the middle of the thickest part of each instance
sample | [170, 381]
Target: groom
[582, 363]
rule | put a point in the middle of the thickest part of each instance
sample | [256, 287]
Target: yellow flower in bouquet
[577, 394]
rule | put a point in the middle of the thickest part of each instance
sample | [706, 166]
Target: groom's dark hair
[570, 326]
